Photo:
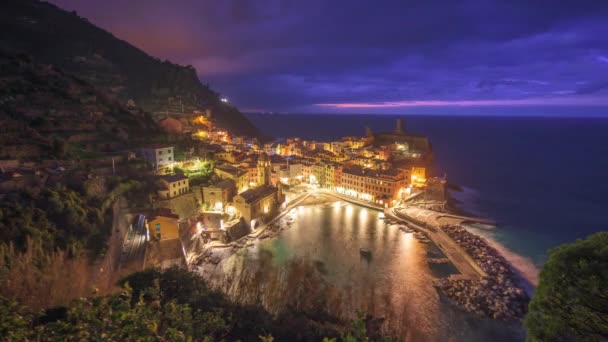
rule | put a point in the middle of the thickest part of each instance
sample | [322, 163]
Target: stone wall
[185, 206]
[237, 231]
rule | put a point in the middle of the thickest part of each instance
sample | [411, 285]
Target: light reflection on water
[315, 264]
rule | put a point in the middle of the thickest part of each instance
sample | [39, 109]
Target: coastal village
[137, 202]
[228, 188]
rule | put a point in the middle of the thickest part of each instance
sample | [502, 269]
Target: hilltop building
[173, 186]
[158, 155]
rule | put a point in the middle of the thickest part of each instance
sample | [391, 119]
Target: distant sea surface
[544, 180]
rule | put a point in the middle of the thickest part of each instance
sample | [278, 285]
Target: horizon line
[532, 102]
[588, 116]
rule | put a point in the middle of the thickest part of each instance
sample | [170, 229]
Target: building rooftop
[164, 212]
[276, 159]
[358, 170]
[156, 147]
[257, 193]
[230, 169]
[174, 178]
[263, 157]
[224, 184]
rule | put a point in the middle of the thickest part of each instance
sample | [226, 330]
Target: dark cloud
[593, 87]
[291, 54]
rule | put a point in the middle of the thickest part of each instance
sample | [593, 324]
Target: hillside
[54, 36]
[47, 113]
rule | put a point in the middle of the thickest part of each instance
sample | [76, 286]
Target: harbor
[312, 261]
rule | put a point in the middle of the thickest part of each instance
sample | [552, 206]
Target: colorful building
[162, 225]
[173, 186]
[158, 155]
[217, 196]
[238, 175]
[382, 187]
[257, 204]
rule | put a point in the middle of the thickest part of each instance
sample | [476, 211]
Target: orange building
[162, 225]
[382, 187]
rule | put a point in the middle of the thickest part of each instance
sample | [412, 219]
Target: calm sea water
[314, 265]
[543, 179]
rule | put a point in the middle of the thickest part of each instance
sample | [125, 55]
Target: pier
[428, 224]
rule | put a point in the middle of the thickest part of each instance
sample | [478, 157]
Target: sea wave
[467, 200]
[522, 265]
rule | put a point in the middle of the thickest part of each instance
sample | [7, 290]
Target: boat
[365, 252]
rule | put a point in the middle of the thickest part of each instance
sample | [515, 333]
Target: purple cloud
[289, 55]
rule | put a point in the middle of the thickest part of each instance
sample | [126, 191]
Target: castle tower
[264, 169]
[399, 126]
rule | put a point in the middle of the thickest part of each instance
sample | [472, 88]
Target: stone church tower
[264, 169]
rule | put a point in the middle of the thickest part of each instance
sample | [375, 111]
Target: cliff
[54, 36]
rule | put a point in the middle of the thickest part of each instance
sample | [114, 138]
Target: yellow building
[257, 204]
[162, 225]
[383, 187]
[227, 156]
[217, 196]
[263, 169]
[418, 175]
[238, 175]
[173, 186]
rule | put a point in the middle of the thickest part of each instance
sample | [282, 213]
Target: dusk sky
[412, 57]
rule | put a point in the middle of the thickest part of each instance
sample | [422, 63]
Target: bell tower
[264, 169]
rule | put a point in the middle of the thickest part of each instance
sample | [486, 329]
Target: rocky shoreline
[497, 296]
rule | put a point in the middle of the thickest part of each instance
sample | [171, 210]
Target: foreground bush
[571, 301]
[175, 305]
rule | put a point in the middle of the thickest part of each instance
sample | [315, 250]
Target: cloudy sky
[430, 57]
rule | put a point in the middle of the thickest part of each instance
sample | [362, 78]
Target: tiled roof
[361, 171]
[257, 193]
[156, 147]
[224, 184]
[165, 212]
[230, 169]
[174, 178]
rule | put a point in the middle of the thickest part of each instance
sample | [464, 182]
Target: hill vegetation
[47, 113]
[67, 41]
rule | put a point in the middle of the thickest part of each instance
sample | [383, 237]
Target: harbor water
[314, 264]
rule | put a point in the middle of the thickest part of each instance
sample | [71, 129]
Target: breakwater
[499, 295]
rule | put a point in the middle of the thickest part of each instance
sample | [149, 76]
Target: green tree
[14, 321]
[178, 171]
[571, 301]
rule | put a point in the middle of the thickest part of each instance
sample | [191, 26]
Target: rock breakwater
[499, 295]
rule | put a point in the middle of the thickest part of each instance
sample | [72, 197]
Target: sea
[542, 179]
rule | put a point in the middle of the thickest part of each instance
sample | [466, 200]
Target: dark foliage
[571, 301]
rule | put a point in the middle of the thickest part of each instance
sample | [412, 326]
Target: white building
[158, 155]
